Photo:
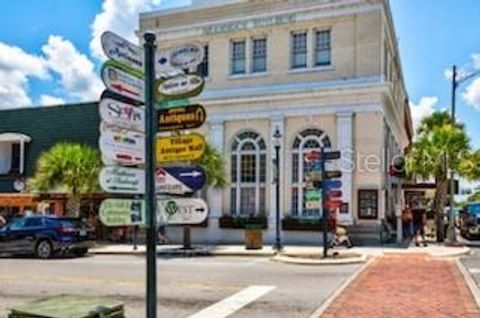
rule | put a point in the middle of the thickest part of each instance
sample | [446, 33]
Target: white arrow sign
[123, 115]
[123, 82]
[121, 146]
[183, 211]
[122, 180]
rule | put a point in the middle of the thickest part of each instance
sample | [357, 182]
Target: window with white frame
[248, 174]
[259, 55]
[323, 48]
[299, 50]
[238, 64]
[307, 140]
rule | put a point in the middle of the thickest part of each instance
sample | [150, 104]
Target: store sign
[229, 27]
[122, 146]
[121, 50]
[122, 180]
[178, 87]
[180, 180]
[180, 148]
[122, 212]
[183, 211]
[123, 82]
[123, 115]
[187, 56]
[180, 118]
[312, 196]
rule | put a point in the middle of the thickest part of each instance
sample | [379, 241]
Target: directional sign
[121, 146]
[122, 180]
[122, 212]
[121, 50]
[180, 180]
[180, 148]
[187, 56]
[312, 196]
[317, 155]
[334, 194]
[331, 184]
[178, 87]
[188, 117]
[332, 205]
[123, 115]
[112, 95]
[333, 174]
[183, 211]
[172, 103]
[312, 205]
[122, 81]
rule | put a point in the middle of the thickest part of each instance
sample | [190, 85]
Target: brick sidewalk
[406, 286]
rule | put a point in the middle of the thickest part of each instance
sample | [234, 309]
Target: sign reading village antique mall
[179, 118]
[123, 115]
[178, 87]
[180, 148]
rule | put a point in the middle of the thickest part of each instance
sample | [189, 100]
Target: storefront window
[367, 204]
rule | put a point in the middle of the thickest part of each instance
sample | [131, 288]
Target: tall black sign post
[150, 163]
[324, 207]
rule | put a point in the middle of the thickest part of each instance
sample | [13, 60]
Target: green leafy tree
[214, 164]
[68, 168]
[439, 148]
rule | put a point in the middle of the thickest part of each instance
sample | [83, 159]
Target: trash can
[253, 236]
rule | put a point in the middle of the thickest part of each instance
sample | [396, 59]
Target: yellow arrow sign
[180, 148]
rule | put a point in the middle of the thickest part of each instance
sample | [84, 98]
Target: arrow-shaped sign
[317, 155]
[123, 81]
[180, 180]
[331, 184]
[333, 174]
[334, 194]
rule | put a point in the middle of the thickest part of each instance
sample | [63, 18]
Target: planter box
[240, 222]
[299, 224]
[253, 238]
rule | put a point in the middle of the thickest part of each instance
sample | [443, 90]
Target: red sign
[334, 194]
[326, 155]
[332, 205]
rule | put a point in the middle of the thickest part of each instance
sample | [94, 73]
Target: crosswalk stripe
[474, 270]
[229, 305]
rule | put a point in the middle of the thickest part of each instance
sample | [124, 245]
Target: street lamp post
[278, 243]
[455, 83]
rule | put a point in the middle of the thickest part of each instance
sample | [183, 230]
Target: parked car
[44, 236]
[470, 221]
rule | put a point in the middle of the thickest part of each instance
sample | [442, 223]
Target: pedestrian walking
[407, 220]
[419, 222]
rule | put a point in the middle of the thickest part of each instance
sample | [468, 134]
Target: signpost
[180, 118]
[123, 81]
[180, 148]
[122, 212]
[183, 210]
[121, 114]
[179, 87]
[180, 180]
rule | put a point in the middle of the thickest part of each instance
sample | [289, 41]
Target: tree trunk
[73, 206]
[439, 207]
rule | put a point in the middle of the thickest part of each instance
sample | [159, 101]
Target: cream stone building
[323, 73]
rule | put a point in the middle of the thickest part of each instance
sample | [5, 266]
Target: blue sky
[433, 35]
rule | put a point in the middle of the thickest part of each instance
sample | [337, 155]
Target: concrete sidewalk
[433, 250]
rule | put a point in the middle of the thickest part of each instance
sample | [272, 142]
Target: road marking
[229, 305]
[474, 270]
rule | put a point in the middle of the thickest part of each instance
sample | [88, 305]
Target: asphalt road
[472, 263]
[258, 287]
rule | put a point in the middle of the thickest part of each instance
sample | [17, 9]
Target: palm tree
[69, 168]
[440, 147]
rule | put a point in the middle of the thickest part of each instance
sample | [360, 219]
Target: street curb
[464, 251]
[474, 289]
[324, 306]
[306, 261]
[189, 253]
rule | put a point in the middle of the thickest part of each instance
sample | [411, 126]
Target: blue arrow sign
[193, 177]
[331, 184]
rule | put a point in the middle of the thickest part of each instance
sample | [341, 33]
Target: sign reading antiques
[183, 211]
[178, 87]
[123, 115]
[180, 148]
[179, 118]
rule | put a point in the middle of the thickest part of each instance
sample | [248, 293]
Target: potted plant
[253, 235]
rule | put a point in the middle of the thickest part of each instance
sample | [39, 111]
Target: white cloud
[49, 100]
[16, 67]
[472, 94]
[76, 71]
[476, 60]
[120, 17]
[424, 108]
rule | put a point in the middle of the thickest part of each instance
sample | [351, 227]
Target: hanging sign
[122, 180]
[122, 212]
[183, 211]
[180, 180]
[122, 81]
[122, 146]
[178, 87]
[123, 115]
[121, 50]
[180, 148]
[180, 118]
[187, 56]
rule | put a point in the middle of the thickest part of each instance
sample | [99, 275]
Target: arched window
[248, 172]
[307, 140]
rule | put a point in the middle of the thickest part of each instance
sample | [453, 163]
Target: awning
[14, 137]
